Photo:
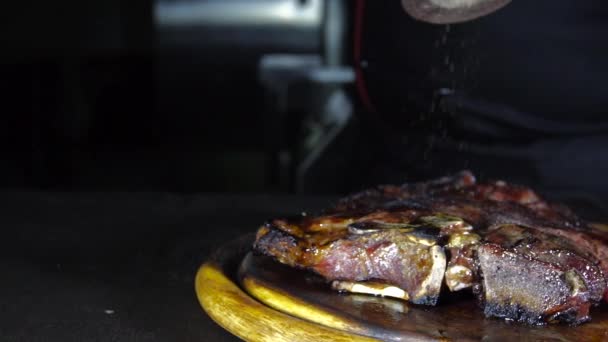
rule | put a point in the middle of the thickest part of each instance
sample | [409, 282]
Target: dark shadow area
[138, 136]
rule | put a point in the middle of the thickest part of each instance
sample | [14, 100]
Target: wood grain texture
[456, 318]
[246, 318]
[601, 227]
[285, 304]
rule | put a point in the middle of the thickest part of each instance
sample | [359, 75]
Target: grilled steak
[526, 259]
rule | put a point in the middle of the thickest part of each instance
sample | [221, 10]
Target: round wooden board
[239, 313]
[283, 304]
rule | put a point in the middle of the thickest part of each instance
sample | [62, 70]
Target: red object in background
[357, 46]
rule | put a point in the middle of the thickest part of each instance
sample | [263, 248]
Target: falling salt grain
[109, 311]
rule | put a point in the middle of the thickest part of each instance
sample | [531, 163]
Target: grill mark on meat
[528, 260]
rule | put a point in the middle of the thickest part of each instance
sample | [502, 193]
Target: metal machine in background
[296, 48]
[174, 95]
[244, 27]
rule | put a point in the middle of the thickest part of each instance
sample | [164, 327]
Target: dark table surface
[118, 266]
[121, 266]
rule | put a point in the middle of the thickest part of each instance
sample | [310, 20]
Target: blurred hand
[451, 11]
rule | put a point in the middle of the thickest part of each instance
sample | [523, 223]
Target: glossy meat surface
[528, 260]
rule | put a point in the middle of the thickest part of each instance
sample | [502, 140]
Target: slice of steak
[409, 260]
[385, 194]
[535, 277]
[391, 252]
[529, 260]
[589, 243]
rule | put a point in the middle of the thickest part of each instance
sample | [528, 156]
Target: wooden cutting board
[236, 311]
[258, 299]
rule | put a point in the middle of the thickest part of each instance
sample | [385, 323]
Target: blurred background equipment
[207, 95]
[299, 96]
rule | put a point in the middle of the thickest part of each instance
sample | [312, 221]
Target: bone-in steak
[526, 259]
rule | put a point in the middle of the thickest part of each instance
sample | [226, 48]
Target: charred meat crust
[528, 260]
[519, 286]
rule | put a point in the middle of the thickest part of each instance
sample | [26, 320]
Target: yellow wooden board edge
[297, 308]
[603, 227]
[250, 320]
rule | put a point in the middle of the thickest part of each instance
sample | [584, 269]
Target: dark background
[130, 151]
[92, 101]
[171, 96]
[137, 136]
[101, 95]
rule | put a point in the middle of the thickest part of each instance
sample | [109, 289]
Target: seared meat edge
[521, 255]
